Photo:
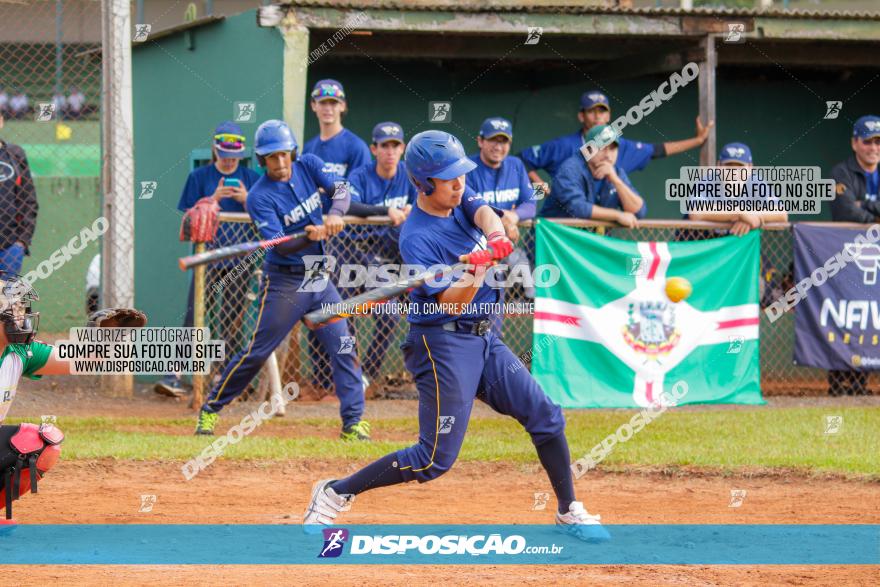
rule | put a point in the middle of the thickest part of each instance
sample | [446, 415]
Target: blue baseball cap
[867, 127]
[229, 140]
[735, 152]
[594, 98]
[494, 126]
[328, 89]
[387, 131]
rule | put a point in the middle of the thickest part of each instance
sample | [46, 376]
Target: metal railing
[230, 307]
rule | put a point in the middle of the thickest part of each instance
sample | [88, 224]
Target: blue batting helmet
[273, 136]
[437, 154]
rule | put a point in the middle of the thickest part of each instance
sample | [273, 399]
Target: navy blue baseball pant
[450, 370]
[281, 307]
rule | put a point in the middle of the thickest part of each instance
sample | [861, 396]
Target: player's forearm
[54, 365]
[340, 204]
[362, 210]
[773, 216]
[630, 201]
[676, 147]
[534, 177]
[713, 217]
[488, 221]
[461, 292]
[526, 211]
[603, 213]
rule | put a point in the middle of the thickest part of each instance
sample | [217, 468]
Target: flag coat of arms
[607, 335]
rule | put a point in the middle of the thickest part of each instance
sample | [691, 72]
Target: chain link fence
[230, 296]
[50, 161]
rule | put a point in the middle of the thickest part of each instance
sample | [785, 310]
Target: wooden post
[198, 379]
[707, 96]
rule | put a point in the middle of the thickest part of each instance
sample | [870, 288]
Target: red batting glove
[500, 247]
[481, 258]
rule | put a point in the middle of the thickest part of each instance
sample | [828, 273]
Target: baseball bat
[362, 302]
[239, 250]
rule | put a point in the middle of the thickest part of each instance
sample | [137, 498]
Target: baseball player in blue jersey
[501, 180]
[284, 201]
[455, 357]
[737, 155]
[595, 111]
[597, 189]
[342, 152]
[227, 181]
[381, 189]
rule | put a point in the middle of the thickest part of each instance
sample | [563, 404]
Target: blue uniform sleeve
[418, 252]
[570, 189]
[325, 179]
[634, 156]
[357, 186]
[264, 216]
[191, 193]
[540, 156]
[525, 206]
[471, 202]
[360, 155]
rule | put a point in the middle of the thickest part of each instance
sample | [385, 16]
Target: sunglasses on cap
[327, 91]
[229, 142]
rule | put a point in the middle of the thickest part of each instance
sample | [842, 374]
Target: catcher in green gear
[28, 451]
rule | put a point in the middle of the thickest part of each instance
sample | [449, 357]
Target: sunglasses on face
[875, 141]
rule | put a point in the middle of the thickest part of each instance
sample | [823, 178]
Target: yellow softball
[678, 288]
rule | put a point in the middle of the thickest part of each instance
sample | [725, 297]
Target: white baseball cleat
[581, 524]
[324, 506]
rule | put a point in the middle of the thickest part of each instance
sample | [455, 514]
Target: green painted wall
[179, 97]
[779, 117]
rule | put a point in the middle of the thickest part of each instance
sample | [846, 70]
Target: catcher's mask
[19, 322]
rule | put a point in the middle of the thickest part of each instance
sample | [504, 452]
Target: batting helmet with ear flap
[19, 322]
[435, 154]
[273, 136]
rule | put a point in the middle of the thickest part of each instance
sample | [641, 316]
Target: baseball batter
[455, 357]
[284, 201]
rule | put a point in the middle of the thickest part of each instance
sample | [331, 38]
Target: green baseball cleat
[359, 431]
[206, 423]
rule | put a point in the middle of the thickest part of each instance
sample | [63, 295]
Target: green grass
[23, 132]
[723, 441]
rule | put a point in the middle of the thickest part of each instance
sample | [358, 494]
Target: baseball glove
[117, 318]
[200, 222]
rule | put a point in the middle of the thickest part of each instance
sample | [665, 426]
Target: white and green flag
[608, 335]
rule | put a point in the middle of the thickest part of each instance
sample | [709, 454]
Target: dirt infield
[267, 493]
